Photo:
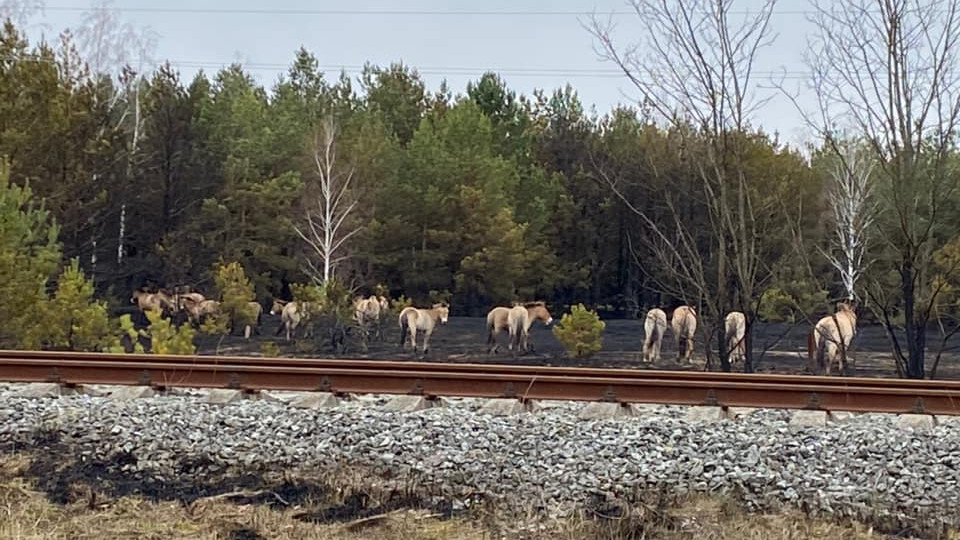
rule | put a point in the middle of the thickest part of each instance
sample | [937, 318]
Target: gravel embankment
[866, 468]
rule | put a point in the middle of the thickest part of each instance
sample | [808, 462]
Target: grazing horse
[684, 325]
[498, 319]
[830, 339]
[291, 315]
[735, 326]
[412, 319]
[654, 326]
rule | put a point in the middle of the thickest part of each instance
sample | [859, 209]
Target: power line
[380, 12]
[463, 70]
[426, 70]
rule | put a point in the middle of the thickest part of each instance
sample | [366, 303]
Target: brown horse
[830, 339]
[735, 327]
[684, 325]
[498, 319]
[654, 327]
[412, 319]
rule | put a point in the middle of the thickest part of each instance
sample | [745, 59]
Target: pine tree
[29, 254]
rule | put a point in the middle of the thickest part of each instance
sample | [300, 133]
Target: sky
[529, 50]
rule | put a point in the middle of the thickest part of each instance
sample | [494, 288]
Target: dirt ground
[778, 348]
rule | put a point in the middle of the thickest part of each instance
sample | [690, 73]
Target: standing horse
[190, 302]
[536, 311]
[498, 319]
[412, 319]
[367, 313]
[291, 315]
[159, 301]
[255, 311]
[684, 325]
[735, 327]
[147, 301]
[654, 327]
[830, 339]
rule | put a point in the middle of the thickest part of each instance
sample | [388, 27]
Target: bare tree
[693, 66]
[890, 70]
[114, 49]
[854, 210]
[20, 11]
[331, 202]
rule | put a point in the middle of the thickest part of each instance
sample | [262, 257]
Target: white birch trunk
[328, 226]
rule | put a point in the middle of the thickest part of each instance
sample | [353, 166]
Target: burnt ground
[778, 348]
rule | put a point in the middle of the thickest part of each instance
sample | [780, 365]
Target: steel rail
[505, 369]
[638, 388]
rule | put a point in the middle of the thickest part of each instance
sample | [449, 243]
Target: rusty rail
[490, 381]
[492, 368]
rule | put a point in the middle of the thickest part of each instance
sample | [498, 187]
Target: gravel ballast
[866, 467]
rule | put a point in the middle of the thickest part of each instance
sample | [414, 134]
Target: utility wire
[384, 12]
[428, 70]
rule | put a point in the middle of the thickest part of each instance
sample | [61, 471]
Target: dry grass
[27, 514]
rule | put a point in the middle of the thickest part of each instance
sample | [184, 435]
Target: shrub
[777, 306]
[398, 305]
[236, 293]
[790, 302]
[165, 338]
[580, 332]
[270, 350]
[72, 319]
[129, 332]
[330, 313]
[29, 256]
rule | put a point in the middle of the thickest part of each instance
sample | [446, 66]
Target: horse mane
[538, 303]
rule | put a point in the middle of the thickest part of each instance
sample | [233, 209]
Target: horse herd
[827, 342]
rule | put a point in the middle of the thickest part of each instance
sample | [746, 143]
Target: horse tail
[653, 336]
[518, 329]
[822, 357]
[491, 334]
[810, 352]
[403, 327]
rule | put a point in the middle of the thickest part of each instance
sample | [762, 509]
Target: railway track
[487, 381]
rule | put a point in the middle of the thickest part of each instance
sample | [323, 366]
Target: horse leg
[413, 338]
[492, 338]
[426, 340]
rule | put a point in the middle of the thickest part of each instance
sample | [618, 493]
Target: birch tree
[114, 49]
[330, 204]
[694, 70]
[853, 209]
[890, 70]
